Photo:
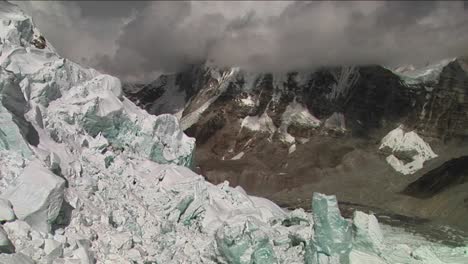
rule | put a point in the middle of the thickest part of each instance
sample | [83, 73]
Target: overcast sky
[137, 40]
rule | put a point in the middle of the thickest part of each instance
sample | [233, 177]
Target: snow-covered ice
[5, 244]
[367, 233]
[6, 211]
[332, 232]
[37, 196]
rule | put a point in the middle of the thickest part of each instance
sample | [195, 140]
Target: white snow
[238, 156]
[358, 257]
[259, 123]
[16, 258]
[128, 199]
[6, 210]
[292, 148]
[248, 101]
[409, 145]
[429, 73]
[53, 249]
[5, 244]
[426, 255]
[404, 69]
[37, 196]
[368, 236]
[298, 113]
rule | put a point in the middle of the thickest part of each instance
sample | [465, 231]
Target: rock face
[441, 190]
[450, 173]
[444, 112]
[368, 124]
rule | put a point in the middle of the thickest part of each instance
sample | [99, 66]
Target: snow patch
[409, 151]
[238, 156]
[259, 123]
[299, 114]
[248, 101]
[292, 148]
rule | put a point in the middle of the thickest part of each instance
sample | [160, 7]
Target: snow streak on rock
[192, 118]
[346, 78]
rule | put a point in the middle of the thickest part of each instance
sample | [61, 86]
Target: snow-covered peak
[428, 73]
[404, 69]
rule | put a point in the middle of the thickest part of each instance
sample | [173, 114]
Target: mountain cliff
[362, 132]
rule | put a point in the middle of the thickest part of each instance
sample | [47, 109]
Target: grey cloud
[109, 9]
[137, 40]
[403, 13]
[76, 35]
[163, 38]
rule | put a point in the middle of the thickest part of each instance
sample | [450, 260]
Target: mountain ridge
[236, 116]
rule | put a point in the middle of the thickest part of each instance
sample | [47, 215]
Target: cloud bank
[137, 40]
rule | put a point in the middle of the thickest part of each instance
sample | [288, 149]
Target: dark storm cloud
[139, 39]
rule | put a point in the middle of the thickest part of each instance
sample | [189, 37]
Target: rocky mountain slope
[364, 133]
[88, 177]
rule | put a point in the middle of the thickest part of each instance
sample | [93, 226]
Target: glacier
[88, 177]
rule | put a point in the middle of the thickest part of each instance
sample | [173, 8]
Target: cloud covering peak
[136, 40]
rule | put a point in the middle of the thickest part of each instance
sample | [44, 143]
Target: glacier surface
[87, 177]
